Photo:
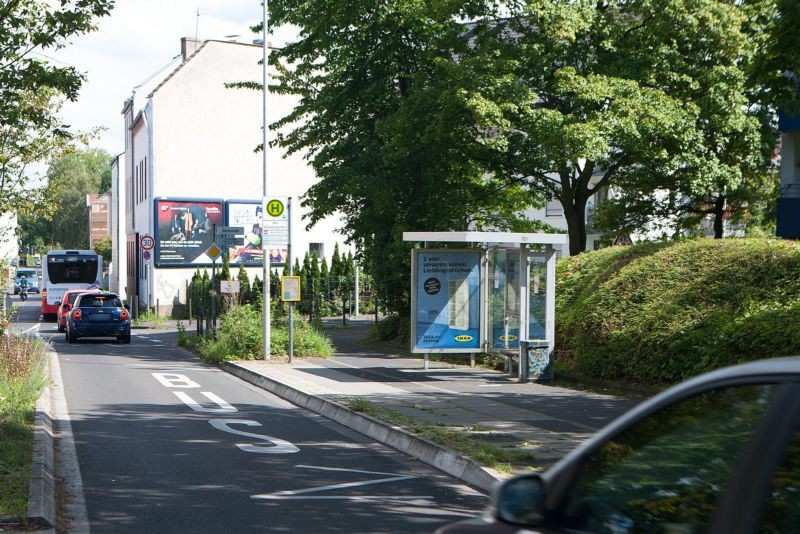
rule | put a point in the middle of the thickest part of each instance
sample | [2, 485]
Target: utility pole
[266, 278]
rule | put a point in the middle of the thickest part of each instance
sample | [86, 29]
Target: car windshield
[100, 301]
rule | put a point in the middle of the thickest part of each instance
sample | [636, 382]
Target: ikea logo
[463, 338]
[509, 337]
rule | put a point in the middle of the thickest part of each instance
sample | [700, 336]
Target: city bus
[68, 269]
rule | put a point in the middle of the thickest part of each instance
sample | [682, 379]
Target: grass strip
[22, 378]
[462, 439]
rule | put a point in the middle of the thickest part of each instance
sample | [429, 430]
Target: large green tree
[70, 178]
[370, 121]
[31, 88]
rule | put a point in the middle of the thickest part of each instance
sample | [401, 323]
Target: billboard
[446, 300]
[248, 215]
[184, 230]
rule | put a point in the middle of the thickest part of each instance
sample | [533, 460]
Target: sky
[138, 39]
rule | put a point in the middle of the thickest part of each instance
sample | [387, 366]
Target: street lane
[168, 444]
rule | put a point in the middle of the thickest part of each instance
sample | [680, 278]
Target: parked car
[66, 304]
[98, 314]
[718, 453]
[31, 275]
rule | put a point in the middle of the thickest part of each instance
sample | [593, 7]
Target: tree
[31, 89]
[369, 120]
[103, 247]
[71, 177]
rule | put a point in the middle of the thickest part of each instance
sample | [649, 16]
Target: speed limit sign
[147, 242]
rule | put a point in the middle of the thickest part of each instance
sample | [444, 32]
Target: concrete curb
[440, 457]
[41, 492]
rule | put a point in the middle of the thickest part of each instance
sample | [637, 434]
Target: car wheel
[71, 337]
[126, 338]
[61, 328]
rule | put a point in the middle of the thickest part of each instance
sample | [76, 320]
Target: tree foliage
[31, 89]
[70, 178]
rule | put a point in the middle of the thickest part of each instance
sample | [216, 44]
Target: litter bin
[534, 361]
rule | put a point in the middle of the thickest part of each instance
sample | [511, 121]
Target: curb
[440, 457]
[41, 492]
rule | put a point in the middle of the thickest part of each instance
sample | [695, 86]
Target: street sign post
[290, 288]
[214, 252]
[276, 222]
[230, 231]
[228, 242]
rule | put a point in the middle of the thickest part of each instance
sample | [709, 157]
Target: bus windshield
[70, 269]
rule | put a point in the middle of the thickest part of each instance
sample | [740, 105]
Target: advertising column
[446, 301]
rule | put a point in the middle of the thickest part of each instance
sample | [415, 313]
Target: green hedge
[658, 313]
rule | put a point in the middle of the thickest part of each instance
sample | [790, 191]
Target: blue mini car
[98, 315]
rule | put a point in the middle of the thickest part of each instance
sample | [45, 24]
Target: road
[167, 444]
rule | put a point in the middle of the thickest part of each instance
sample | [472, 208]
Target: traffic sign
[227, 242]
[276, 223]
[147, 242]
[275, 207]
[290, 288]
[232, 231]
[214, 251]
[146, 255]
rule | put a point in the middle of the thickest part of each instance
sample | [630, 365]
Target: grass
[466, 440]
[149, 316]
[22, 379]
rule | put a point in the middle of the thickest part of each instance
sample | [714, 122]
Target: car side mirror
[520, 500]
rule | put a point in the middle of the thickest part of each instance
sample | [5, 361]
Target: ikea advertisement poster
[447, 301]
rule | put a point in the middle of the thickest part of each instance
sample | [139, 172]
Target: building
[117, 269]
[190, 162]
[99, 217]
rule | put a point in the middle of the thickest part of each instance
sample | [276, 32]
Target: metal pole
[266, 292]
[291, 304]
[356, 291]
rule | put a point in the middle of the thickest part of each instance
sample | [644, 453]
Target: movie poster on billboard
[447, 301]
[184, 230]
[248, 215]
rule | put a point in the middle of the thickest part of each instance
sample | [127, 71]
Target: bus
[68, 269]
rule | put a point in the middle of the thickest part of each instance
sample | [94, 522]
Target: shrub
[392, 327]
[660, 313]
[240, 337]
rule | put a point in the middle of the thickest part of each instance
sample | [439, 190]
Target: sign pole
[265, 292]
[213, 286]
[291, 303]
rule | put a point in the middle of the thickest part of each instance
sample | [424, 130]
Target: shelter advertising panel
[446, 300]
[248, 215]
[184, 230]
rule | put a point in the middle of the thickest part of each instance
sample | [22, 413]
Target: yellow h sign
[275, 207]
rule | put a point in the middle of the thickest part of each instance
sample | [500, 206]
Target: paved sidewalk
[548, 421]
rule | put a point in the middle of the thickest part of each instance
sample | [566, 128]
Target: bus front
[68, 269]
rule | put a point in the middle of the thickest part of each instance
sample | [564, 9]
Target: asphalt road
[167, 444]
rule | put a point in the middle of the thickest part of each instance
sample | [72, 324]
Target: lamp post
[265, 277]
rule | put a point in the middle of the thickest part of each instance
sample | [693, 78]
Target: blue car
[98, 315]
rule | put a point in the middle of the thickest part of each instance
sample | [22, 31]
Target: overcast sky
[139, 38]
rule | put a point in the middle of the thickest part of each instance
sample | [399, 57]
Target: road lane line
[393, 477]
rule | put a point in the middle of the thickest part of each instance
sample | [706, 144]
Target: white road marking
[224, 407]
[175, 380]
[296, 494]
[278, 446]
[34, 327]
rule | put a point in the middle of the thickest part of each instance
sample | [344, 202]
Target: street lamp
[266, 278]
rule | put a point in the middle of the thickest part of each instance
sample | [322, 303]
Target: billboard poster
[248, 215]
[184, 230]
[447, 301]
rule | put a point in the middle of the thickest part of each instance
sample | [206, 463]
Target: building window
[553, 209]
[316, 248]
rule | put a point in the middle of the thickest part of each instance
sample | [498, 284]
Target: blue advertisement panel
[447, 315]
[184, 231]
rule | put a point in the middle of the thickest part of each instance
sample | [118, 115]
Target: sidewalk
[547, 421]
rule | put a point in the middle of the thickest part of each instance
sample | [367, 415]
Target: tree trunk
[575, 214]
[719, 212]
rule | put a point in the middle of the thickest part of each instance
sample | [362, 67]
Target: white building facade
[189, 151]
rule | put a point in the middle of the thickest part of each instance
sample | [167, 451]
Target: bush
[660, 313]
[240, 337]
[392, 327]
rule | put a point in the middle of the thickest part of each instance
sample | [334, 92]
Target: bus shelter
[490, 292]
